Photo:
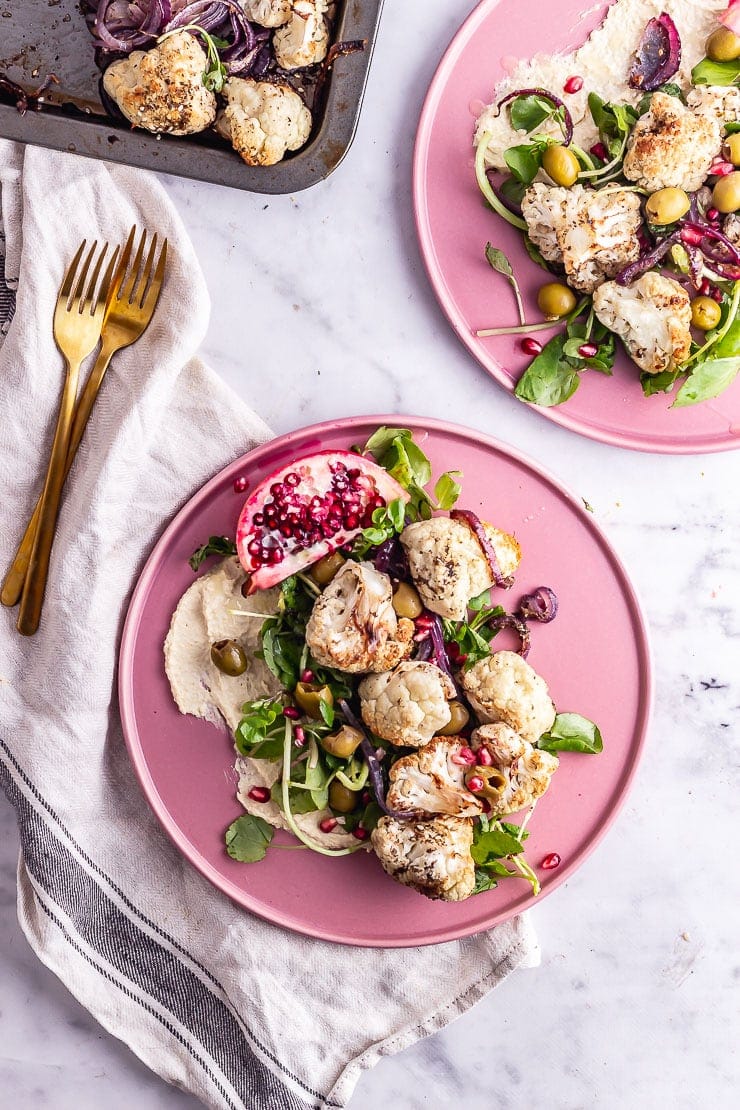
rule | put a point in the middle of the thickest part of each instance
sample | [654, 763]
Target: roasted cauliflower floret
[407, 706]
[430, 856]
[447, 563]
[263, 120]
[304, 39]
[731, 229]
[161, 89]
[671, 146]
[268, 13]
[717, 101]
[652, 317]
[353, 625]
[504, 687]
[432, 780]
[525, 771]
[593, 233]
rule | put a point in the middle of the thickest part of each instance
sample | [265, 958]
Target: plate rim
[126, 694]
[425, 243]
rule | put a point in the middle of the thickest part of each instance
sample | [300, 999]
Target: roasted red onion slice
[439, 651]
[511, 620]
[540, 605]
[374, 769]
[658, 55]
[647, 260]
[546, 95]
[474, 523]
[713, 233]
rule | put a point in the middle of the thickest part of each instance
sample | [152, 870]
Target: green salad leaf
[528, 112]
[708, 72]
[500, 263]
[215, 545]
[259, 734]
[396, 451]
[658, 383]
[712, 374]
[493, 844]
[248, 838]
[553, 375]
[572, 733]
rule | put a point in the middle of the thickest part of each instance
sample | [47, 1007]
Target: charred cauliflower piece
[263, 120]
[652, 317]
[432, 780]
[353, 625]
[268, 13]
[407, 706]
[671, 146]
[716, 101]
[447, 563]
[525, 771]
[161, 89]
[504, 687]
[304, 39]
[430, 856]
[593, 233]
[731, 229]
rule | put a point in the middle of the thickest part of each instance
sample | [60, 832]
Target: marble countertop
[636, 1001]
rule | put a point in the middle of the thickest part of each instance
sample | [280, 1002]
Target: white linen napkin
[215, 1000]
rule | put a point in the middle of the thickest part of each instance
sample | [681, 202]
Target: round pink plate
[595, 657]
[454, 224]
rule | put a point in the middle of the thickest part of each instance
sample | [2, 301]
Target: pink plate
[454, 225]
[594, 655]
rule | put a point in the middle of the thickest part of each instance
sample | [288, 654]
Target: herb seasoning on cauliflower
[263, 120]
[504, 687]
[652, 317]
[304, 39]
[432, 780]
[525, 770]
[268, 13]
[408, 705]
[671, 146]
[430, 856]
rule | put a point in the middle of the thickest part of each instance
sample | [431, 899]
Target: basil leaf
[528, 112]
[495, 843]
[708, 379]
[447, 490]
[248, 838]
[572, 733]
[708, 72]
[548, 380]
[524, 162]
[216, 545]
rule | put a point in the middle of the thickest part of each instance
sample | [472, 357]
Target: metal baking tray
[38, 37]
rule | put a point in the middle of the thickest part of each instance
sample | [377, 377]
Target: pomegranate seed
[276, 489]
[691, 236]
[253, 547]
[424, 621]
[240, 484]
[485, 759]
[461, 659]
[365, 797]
[721, 169]
[360, 833]
[550, 861]
[292, 479]
[573, 84]
[466, 757]
[531, 346]
[299, 736]
[588, 350]
[599, 151]
[259, 794]
[307, 676]
[705, 288]
[716, 294]
[275, 556]
[713, 215]
[259, 519]
[487, 807]
[351, 521]
[291, 713]
[328, 824]
[475, 784]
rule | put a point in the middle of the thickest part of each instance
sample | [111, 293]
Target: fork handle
[12, 587]
[34, 587]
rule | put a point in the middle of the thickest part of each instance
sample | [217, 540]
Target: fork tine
[108, 277]
[69, 277]
[149, 302]
[91, 298]
[131, 283]
[143, 284]
[75, 304]
[115, 289]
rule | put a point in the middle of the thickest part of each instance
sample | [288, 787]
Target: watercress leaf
[216, 545]
[572, 733]
[571, 346]
[397, 514]
[483, 881]
[421, 468]
[515, 830]
[732, 127]
[248, 838]
[327, 712]
[300, 800]
[512, 189]
[494, 844]
[447, 490]
[480, 602]
[708, 379]
[549, 379]
[708, 72]
[528, 112]
[524, 162]
[658, 383]
[382, 440]
[534, 253]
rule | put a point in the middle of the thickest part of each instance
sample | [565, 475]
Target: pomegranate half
[307, 510]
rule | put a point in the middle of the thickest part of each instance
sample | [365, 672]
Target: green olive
[343, 743]
[555, 300]
[309, 696]
[561, 165]
[723, 45]
[406, 601]
[229, 657]
[726, 193]
[731, 148]
[705, 313]
[459, 717]
[493, 782]
[666, 206]
[341, 798]
[323, 571]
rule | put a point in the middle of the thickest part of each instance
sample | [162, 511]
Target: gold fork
[129, 310]
[78, 321]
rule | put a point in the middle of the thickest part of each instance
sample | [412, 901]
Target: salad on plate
[347, 638]
[620, 165]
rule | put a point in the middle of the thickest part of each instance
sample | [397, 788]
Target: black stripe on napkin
[7, 296]
[126, 949]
